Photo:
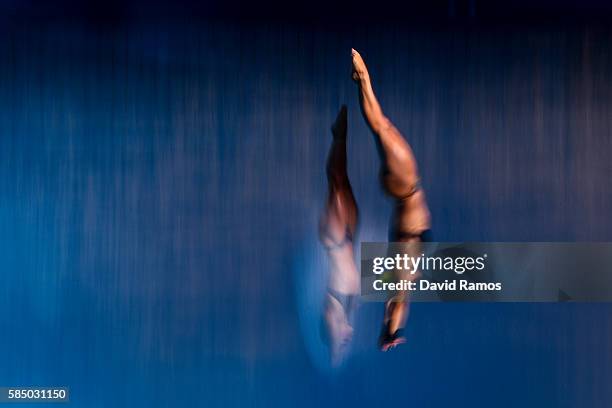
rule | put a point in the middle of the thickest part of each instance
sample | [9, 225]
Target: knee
[381, 125]
[399, 185]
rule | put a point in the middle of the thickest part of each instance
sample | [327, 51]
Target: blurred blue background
[160, 186]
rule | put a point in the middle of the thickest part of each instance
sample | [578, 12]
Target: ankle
[364, 81]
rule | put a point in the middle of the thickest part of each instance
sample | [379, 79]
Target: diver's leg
[339, 219]
[337, 229]
[400, 179]
[400, 174]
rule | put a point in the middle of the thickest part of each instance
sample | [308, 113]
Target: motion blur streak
[159, 182]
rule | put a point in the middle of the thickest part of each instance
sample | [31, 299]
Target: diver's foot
[339, 126]
[360, 71]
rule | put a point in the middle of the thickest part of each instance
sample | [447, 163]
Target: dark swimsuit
[424, 236]
[348, 302]
[397, 235]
